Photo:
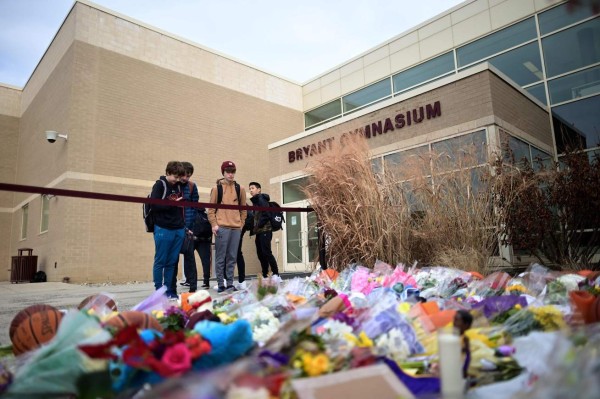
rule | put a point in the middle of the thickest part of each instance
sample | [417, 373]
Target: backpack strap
[164, 188]
[220, 192]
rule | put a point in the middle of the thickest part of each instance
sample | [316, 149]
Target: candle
[453, 384]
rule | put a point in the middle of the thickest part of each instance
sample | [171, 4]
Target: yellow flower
[518, 306]
[158, 313]
[403, 308]
[363, 341]
[315, 365]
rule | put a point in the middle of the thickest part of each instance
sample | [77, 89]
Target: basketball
[98, 301]
[135, 318]
[33, 326]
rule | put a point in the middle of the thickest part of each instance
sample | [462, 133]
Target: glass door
[301, 239]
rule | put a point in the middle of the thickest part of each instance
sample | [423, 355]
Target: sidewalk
[15, 297]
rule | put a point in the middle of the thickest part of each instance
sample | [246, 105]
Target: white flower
[393, 344]
[334, 330]
[236, 392]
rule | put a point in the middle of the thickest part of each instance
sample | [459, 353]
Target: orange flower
[197, 346]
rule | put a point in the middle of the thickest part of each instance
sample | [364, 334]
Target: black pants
[241, 263]
[204, 252]
[190, 269]
[265, 255]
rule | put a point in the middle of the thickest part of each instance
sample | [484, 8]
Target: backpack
[220, 192]
[147, 211]
[39, 277]
[202, 227]
[276, 216]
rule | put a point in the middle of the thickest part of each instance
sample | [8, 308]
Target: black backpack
[220, 192]
[202, 227]
[147, 211]
[39, 277]
[276, 216]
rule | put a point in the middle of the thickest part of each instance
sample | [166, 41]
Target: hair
[466, 317]
[188, 167]
[256, 184]
[175, 168]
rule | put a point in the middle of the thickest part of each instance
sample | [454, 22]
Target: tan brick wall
[9, 136]
[520, 112]
[125, 120]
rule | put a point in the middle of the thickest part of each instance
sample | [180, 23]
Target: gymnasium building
[125, 98]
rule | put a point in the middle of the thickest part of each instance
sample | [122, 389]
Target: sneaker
[185, 284]
[172, 298]
[205, 286]
[276, 279]
[242, 286]
[221, 289]
[231, 287]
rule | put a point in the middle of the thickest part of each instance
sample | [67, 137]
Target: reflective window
[540, 159]
[514, 150]
[45, 213]
[538, 92]
[496, 42]
[407, 164]
[424, 72]
[573, 48]
[580, 84]
[561, 16]
[323, 113]
[377, 165]
[292, 190]
[577, 124]
[460, 152]
[24, 221]
[523, 64]
[368, 95]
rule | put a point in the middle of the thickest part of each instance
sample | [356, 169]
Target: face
[172, 179]
[185, 179]
[229, 174]
[254, 190]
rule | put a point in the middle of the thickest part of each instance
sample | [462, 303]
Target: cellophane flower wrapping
[53, 369]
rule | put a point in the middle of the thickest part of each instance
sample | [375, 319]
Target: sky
[297, 39]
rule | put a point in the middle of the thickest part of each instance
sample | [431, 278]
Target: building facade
[130, 98]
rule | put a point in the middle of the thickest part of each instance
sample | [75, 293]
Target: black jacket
[166, 216]
[262, 220]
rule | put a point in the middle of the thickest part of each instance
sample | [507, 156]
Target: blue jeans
[167, 244]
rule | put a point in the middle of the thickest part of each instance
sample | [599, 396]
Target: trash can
[23, 266]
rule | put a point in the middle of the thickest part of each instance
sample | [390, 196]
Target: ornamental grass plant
[435, 209]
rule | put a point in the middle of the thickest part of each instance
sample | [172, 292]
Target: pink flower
[363, 281]
[177, 358]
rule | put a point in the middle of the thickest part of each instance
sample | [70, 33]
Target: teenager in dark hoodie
[169, 228]
[263, 231]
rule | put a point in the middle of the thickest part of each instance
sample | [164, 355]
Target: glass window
[323, 113]
[424, 72]
[45, 213]
[573, 48]
[563, 15]
[377, 165]
[496, 42]
[540, 159]
[368, 95]
[523, 64]
[539, 92]
[24, 220]
[460, 152]
[514, 150]
[407, 164]
[292, 190]
[580, 84]
[577, 124]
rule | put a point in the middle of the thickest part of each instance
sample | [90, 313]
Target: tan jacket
[231, 218]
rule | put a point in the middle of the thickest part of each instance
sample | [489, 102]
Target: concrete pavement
[15, 297]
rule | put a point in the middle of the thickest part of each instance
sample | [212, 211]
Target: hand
[215, 229]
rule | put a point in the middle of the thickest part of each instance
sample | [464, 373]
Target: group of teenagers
[174, 227]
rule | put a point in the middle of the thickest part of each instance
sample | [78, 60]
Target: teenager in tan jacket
[227, 225]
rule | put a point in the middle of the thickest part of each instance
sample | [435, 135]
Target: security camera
[51, 136]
